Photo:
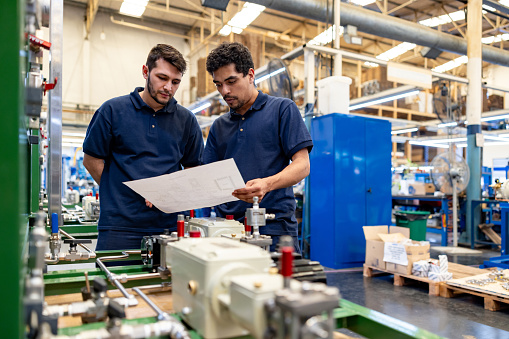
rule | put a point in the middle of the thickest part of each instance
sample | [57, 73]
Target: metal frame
[54, 123]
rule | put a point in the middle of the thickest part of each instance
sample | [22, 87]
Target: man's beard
[153, 93]
[238, 105]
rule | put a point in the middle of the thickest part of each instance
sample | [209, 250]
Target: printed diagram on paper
[197, 187]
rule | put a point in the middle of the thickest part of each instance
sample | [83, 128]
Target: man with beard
[262, 134]
[140, 135]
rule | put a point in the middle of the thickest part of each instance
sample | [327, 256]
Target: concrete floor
[462, 317]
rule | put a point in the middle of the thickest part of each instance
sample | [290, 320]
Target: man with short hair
[262, 134]
[140, 135]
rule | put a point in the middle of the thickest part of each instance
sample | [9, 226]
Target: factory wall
[109, 63]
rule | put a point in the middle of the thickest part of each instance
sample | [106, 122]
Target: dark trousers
[275, 241]
[120, 240]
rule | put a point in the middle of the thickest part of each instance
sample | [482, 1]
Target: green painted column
[13, 168]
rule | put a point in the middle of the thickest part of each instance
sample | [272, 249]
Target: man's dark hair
[169, 54]
[230, 53]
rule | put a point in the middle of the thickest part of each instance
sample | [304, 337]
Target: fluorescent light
[371, 64]
[133, 7]
[362, 2]
[396, 51]
[492, 137]
[446, 140]
[266, 76]
[381, 100]
[72, 144]
[443, 19]
[429, 144]
[497, 117]
[73, 134]
[201, 108]
[496, 143]
[72, 140]
[448, 124]
[451, 64]
[489, 8]
[326, 36]
[242, 19]
[494, 39]
[406, 130]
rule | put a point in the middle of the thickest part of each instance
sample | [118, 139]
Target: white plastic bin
[334, 94]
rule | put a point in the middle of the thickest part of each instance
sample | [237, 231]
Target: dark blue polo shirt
[262, 143]
[138, 143]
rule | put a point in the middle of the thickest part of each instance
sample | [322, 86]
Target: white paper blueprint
[197, 187]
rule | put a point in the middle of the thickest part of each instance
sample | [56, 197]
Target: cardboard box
[416, 188]
[429, 188]
[413, 253]
[375, 245]
[377, 236]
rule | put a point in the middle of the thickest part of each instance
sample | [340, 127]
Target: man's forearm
[290, 175]
[95, 167]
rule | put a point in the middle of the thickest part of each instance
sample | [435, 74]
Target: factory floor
[462, 317]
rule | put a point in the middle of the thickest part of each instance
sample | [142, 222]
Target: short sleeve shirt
[136, 143]
[262, 143]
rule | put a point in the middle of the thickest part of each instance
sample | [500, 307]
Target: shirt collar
[260, 101]
[138, 102]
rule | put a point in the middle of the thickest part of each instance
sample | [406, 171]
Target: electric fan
[280, 83]
[450, 175]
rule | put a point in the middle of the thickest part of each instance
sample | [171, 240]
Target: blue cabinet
[350, 186]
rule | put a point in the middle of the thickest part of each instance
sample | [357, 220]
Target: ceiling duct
[385, 26]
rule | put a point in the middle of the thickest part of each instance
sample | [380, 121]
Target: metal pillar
[338, 60]
[54, 123]
[309, 99]
[474, 108]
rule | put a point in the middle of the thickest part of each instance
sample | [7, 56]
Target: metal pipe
[160, 314]
[71, 237]
[338, 67]
[381, 25]
[113, 279]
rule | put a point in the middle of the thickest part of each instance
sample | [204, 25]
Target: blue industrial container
[350, 184]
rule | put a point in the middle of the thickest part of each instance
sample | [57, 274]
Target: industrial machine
[232, 282]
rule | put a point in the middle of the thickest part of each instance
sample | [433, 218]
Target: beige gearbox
[201, 270]
[216, 227]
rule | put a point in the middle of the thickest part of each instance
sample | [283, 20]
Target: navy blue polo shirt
[262, 143]
[138, 143]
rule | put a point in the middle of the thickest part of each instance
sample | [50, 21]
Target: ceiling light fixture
[326, 36]
[428, 144]
[381, 97]
[266, 76]
[201, 108]
[496, 117]
[406, 130]
[242, 19]
[451, 64]
[362, 2]
[134, 8]
[448, 124]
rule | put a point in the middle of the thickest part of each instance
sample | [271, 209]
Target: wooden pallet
[491, 302]
[457, 270]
